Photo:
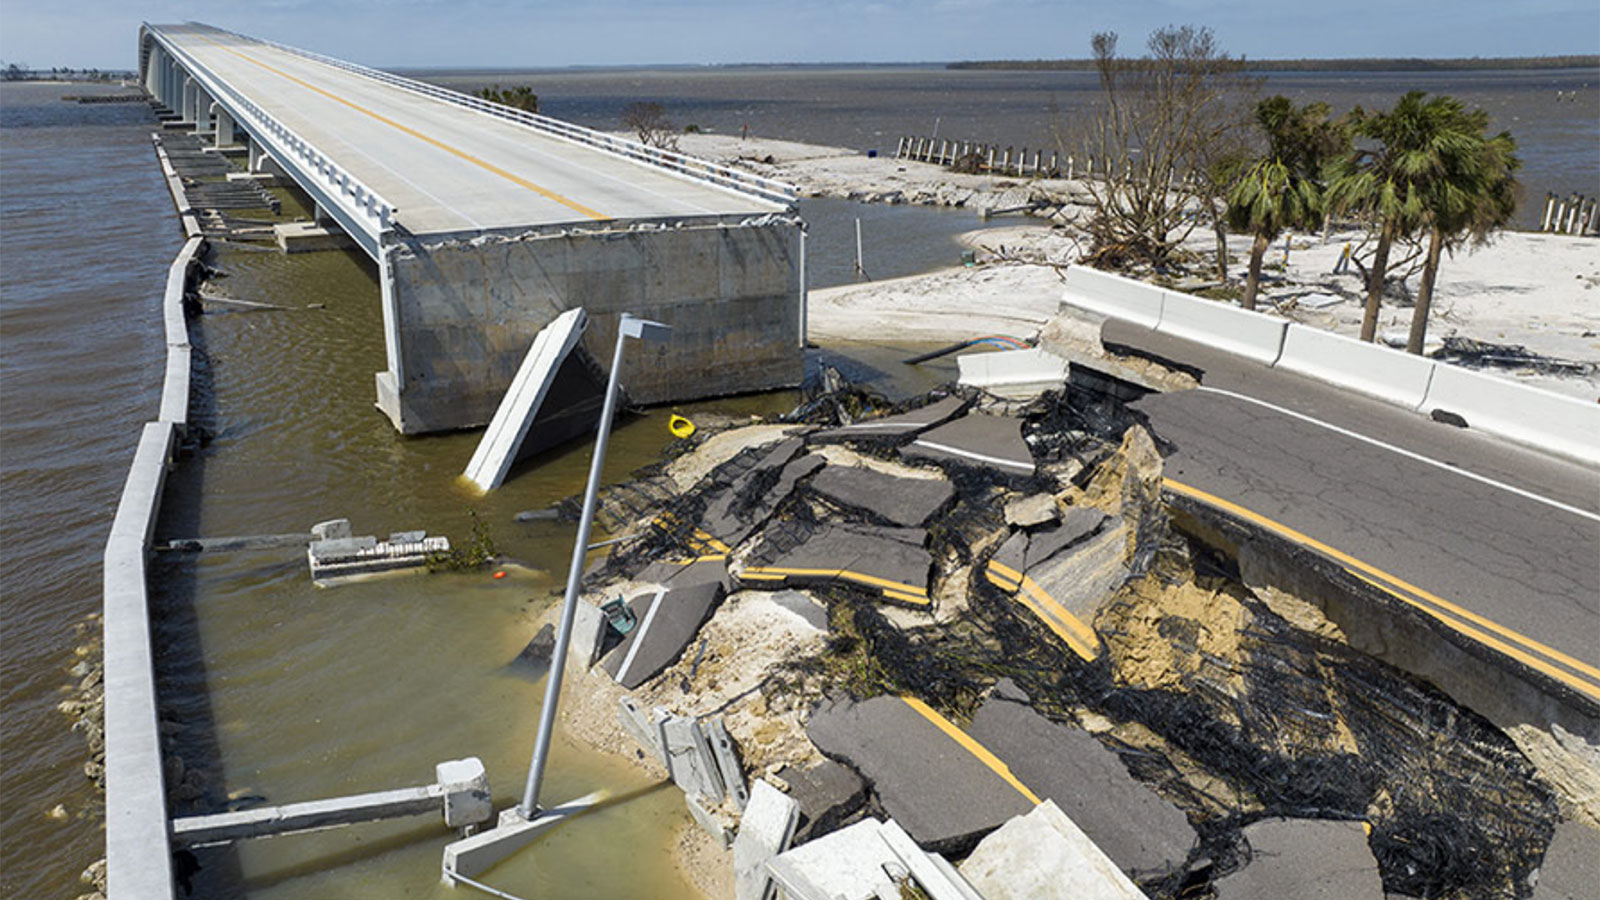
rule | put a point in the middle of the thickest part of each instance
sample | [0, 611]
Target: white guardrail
[1529, 415]
[367, 207]
[677, 163]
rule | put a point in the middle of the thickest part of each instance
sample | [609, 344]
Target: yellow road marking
[461, 154]
[913, 594]
[1080, 637]
[1443, 610]
[971, 746]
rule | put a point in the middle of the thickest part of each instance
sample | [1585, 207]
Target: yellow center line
[461, 154]
[1441, 609]
[971, 746]
[1046, 606]
[908, 592]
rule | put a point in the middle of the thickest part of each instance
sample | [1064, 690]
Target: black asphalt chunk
[891, 561]
[907, 502]
[1013, 553]
[1078, 523]
[944, 796]
[1143, 834]
[993, 442]
[683, 574]
[895, 426]
[737, 510]
[662, 629]
[829, 796]
[1308, 859]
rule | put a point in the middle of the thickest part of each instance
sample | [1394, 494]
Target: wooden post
[1071, 166]
[988, 163]
[1549, 210]
[1055, 164]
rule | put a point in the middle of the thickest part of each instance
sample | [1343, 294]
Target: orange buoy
[500, 574]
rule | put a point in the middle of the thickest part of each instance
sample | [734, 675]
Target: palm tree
[1393, 183]
[1476, 195]
[1282, 189]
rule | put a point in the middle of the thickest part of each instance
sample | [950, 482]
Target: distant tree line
[519, 97]
[1454, 64]
[1182, 138]
[19, 71]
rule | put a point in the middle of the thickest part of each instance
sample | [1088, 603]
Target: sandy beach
[1539, 291]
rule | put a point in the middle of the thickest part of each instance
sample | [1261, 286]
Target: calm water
[287, 692]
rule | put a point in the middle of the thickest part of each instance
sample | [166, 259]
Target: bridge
[485, 222]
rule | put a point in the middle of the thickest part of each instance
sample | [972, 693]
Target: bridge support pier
[191, 99]
[226, 136]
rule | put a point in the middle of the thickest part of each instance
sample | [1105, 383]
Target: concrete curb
[1242, 332]
[1554, 422]
[1371, 369]
[1113, 295]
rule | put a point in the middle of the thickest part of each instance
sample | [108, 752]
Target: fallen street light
[521, 824]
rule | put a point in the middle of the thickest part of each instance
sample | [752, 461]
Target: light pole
[627, 327]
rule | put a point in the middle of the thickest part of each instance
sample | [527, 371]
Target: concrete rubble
[829, 795]
[764, 832]
[1043, 855]
[335, 553]
[870, 860]
[977, 439]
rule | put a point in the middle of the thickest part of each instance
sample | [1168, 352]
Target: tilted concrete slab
[849, 864]
[1045, 856]
[1308, 859]
[1053, 590]
[898, 425]
[907, 502]
[764, 832]
[1143, 834]
[891, 561]
[978, 439]
[946, 790]
[498, 447]
[667, 620]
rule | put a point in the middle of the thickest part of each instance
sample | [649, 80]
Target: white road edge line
[638, 639]
[957, 451]
[1465, 473]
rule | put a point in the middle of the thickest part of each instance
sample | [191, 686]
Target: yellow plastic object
[679, 426]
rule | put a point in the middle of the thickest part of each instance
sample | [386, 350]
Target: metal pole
[569, 604]
[859, 269]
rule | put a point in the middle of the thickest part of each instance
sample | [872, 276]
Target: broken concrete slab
[1005, 571]
[1309, 859]
[1045, 856]
[727, 758]
[898, 425]
[343, 558]
[765, 831]
[1078, 523]
[523, 399]
[1571, 866]
[1081, 576]
[925, 772]
[534, 659]
[891, 561]
[708, 821]
[1143, 834]
[668, 619]
[690, 761]
[979, 439]
[907, 502]
[1013, 374]
[852, 863]
[829, 794]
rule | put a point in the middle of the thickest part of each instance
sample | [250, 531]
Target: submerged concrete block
[1308, 859]
[474, 855]
[466, 791]
[1044, 856]
[764, 832]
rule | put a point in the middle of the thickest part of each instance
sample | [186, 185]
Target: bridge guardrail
[374, 211]
[670, 160]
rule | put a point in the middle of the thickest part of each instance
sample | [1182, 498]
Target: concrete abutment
[460, 310]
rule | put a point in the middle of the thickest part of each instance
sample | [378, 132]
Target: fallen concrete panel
[898, 425]
[828, 794]
[907, 502]
[690, 761]
[993, 442]
[891, 561]
[945, 789]
[667, 620]
[849, 864]
[1045, 856]
[1307, 859]
[512, 419]
[764, 832]
[1143, 834]
[1571, 866]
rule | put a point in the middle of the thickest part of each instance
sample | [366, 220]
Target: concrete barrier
[138, 857]
[1371, 369]
[1242, 332]
[1112, 295]
[1519, 412]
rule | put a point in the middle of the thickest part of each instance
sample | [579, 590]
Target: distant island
[1321, 65]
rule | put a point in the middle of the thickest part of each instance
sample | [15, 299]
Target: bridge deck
[449, 168]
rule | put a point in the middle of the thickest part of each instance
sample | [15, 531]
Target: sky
[536, 33]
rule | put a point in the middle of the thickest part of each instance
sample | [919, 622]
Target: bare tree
[649, 121]
[1165, 124]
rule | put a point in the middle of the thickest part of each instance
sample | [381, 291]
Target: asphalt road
[446, 167]
[1499, 542]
